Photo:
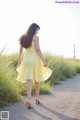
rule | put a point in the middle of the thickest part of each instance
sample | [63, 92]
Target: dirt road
[62, 104]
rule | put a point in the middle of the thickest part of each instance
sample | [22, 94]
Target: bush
[8, 90]
[62, 68]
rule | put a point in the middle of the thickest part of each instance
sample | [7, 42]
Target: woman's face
[37, 30]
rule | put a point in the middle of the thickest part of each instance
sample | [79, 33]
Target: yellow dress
[32, 67]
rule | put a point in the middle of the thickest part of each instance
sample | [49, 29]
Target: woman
[32, 66]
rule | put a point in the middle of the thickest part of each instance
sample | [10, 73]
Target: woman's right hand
[19, 62]
[45, 64]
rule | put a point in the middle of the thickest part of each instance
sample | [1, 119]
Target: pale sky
[59, 23]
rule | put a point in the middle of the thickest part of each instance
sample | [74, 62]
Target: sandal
[37, 101]
[28, 105]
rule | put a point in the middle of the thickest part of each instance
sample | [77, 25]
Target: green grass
[8, 90]
[62, 68]
[45, 88]
[12, 90]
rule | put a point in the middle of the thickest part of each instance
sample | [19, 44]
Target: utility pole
[74, 51]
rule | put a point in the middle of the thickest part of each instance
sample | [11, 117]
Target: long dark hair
[26, 39]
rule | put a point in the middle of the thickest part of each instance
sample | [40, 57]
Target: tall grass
[8, 90]
[12, 90]
[62, 68]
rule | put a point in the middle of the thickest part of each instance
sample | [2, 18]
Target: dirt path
[62, 104]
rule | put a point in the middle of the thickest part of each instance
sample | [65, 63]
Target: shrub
[8, 90]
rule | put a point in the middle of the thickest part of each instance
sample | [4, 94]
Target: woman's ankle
[37, 97]
[29, 99]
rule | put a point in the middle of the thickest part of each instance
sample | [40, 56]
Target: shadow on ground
[59, 115]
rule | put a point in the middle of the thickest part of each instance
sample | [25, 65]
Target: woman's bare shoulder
[35, 38]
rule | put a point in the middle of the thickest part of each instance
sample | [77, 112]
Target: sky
[59, 25]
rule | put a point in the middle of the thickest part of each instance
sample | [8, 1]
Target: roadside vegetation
[12, 90]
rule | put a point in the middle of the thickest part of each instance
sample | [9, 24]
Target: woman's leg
[29, 89]
[37, 90]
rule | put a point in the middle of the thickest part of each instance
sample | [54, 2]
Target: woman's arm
[20, 55]
[36, 41]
